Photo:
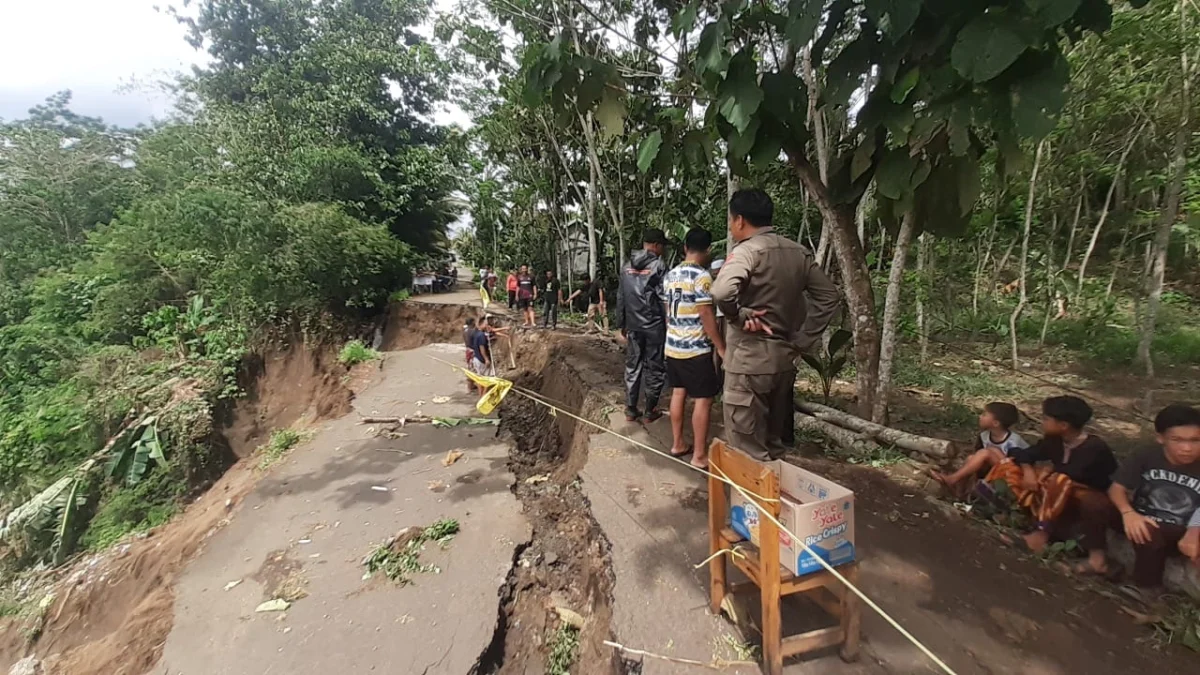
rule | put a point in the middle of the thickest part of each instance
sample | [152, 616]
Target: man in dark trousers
[776, 302]
[641, 320]
[551, 294]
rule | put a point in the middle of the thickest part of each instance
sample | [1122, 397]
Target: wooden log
[934, 447]
[850, 440]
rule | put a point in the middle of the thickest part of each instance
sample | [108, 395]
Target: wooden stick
[935, 447]
[715, 664]
[415, 419]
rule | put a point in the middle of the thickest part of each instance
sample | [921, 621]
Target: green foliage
[1180, 624]
[830, 364]
[149, 503]
[355, 352]
[278, 446]
[564, 649]
[132, 459]
[399, 559]
[138, 268]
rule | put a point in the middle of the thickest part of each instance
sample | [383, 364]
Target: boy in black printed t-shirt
[1157, 492]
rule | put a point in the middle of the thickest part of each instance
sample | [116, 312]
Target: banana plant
[830, 363]
[133, 460]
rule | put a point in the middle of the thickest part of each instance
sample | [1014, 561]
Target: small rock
[276, 605]
[551, 557]
[26, 666]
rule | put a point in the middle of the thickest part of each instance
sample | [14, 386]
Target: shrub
[355, 352]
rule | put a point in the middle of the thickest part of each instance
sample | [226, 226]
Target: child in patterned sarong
[1062, 481]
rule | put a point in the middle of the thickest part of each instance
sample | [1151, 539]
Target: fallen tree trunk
[845, 438]
[934, 447]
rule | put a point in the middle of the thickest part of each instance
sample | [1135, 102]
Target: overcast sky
[110, 53]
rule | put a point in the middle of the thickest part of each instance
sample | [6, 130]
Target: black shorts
[697, 375]
[524, 303]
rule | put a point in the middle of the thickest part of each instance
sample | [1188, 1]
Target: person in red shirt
[511, 285]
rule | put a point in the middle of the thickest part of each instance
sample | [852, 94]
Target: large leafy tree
[912, 92]
[330, 101]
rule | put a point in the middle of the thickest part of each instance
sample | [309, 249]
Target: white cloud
[109, 53]
[105, 52]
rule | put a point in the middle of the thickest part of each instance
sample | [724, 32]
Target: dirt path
[306, 528]
[983, 607]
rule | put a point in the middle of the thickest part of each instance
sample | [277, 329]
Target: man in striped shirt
[692, 334]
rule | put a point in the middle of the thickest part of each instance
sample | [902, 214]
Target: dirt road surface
[306, 528]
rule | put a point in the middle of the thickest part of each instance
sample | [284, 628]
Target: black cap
[654, 236]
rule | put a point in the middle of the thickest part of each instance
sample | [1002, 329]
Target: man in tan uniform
[777, 302]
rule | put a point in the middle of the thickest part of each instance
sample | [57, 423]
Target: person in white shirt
[995, 442]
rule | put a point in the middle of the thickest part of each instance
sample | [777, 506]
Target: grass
[9, 607]
[401, 565]
[876, 458]
[355, 352]
[1179, 624]
[564, 646]
[280, 443]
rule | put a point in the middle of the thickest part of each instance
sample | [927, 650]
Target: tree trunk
[591, 220]
[930, 446]
[1118, 263]
[922, 278]
[838, 219]
[891, 317]
[980, 264]
[845, 438]
[816, 115]
[1162, 241]
[1104, 213]
[1074, 226]
[1016, 314]
[620, 234]
[1001, 264]
[1051, 282]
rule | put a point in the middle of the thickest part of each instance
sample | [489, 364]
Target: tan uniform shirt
[771, 272]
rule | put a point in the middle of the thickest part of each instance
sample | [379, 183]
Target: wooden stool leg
[772, 624]
[851, 617]
[716, 521]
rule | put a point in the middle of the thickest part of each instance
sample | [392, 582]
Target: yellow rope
[720, 475]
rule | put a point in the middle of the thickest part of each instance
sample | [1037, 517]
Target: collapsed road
[569, 541]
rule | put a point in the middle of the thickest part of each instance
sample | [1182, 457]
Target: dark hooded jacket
[639, 298]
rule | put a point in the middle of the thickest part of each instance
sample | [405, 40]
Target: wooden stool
[763, 568]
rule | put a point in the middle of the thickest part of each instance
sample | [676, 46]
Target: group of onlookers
[1073, 487]
[739, 333]
[525, 293]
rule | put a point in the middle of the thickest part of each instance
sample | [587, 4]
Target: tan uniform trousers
[758, 411]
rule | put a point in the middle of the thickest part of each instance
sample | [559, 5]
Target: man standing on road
[641, 322]
[692, 337]
[551, 293]
[525, 293]
[776, 302]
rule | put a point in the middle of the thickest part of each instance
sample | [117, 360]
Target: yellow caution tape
[495, 389]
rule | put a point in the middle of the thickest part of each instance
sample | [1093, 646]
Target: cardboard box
[819, 511]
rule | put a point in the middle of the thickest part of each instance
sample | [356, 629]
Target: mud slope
[113, 610]
[412, 324]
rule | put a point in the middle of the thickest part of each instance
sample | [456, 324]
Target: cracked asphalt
[323, 509]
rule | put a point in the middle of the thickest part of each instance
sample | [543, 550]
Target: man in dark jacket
[643, 326]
